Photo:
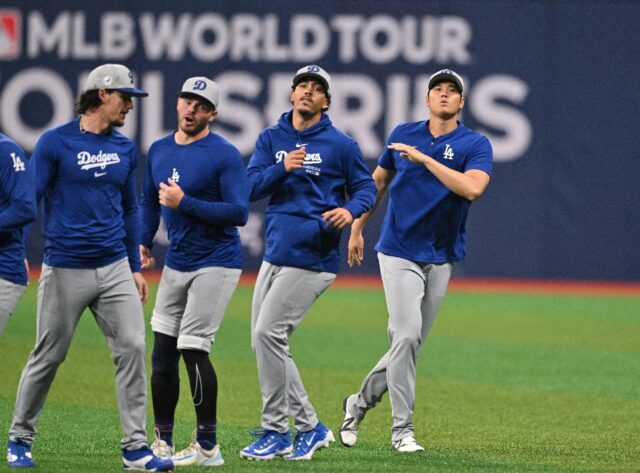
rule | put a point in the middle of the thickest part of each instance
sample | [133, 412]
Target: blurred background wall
[553, 84]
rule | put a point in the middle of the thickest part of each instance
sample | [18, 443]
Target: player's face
[309, 98]
[445, 100]
[116, 105]
[194, 115]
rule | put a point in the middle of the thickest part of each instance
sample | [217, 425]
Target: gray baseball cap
[202, 87]
[113, 77]
[313, 72]
[446, 74]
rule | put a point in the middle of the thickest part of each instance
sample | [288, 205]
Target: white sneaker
[349, 427]
[162, 449]
[407, 444]
[195, 455]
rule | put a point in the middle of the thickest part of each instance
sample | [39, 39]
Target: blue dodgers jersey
[202, 230]
[17, 209]
[425, 221]
[295, 233]
[90, 205]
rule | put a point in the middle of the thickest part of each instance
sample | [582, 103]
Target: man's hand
[356, 249]
[294, 159]
[147, 261]
[409, 152]
[337, 218]
[170, 195]
[141, 285]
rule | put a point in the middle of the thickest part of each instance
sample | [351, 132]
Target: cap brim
[133, 91]
[445, 77]
[316, 77]
[190, 93]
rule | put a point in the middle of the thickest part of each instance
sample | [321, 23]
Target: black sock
[165, 384]
[204, 392]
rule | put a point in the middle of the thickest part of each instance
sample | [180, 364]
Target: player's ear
[214, 114]
[461, 102]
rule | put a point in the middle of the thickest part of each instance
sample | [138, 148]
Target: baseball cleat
[407, 444]
[19, 454]
[196, 455]
[349, 428]
[306, 443]
[143, 459]
[161, 448]
[269, 444]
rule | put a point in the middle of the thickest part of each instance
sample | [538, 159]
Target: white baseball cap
[202, 87]
[314, 72]
[113, 77]
[446, 74]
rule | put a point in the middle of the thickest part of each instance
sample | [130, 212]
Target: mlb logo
[10, 34]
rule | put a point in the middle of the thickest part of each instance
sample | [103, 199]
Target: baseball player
[86, 171]
[306, 166]
[17, 210]
[432, 171]
[197, 181]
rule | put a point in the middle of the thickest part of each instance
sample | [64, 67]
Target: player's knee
[263, 335]
[164, 362]
[407, 341]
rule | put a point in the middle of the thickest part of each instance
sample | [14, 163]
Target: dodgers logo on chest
[310, 164]
[448, 152]
[97, 162]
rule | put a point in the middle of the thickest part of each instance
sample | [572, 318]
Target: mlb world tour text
[365, 105]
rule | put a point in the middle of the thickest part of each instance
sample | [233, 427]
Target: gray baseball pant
[413, 292]
[63, 295]
[190, 305]
[281, 298]
[10, 292]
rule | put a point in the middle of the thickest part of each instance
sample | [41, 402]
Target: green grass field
[506, 383]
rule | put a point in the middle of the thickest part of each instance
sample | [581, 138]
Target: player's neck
[94, 122]
[439, 126]
[301, 122]
[182, 138]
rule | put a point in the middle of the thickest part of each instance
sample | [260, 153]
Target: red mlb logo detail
[10, 34]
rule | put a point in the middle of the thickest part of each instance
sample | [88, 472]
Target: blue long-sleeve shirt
[17, 209]
[202, 230]
[88, 185]
[333, 169]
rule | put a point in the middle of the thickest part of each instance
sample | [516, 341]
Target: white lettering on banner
[66, 37]
[27, 81]
[358, 122]
[242, 116]
[117, 34]
[380, 39]
[489, 105]
[164, 37]
[359, 105]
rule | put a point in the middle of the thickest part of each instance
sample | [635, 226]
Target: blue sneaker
[308, 442]
[269, 444]
[143, 459]
[19, 454]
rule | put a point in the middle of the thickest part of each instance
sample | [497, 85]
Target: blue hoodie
[295, 233]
